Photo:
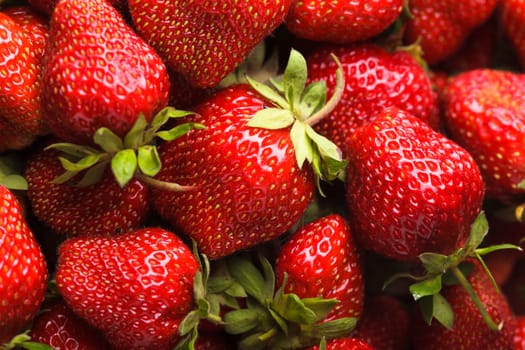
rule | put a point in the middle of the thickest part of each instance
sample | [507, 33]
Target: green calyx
[133, 156]
[274, 319]
[452, 269]
[10, 169]
[299, 106]
[23, 341]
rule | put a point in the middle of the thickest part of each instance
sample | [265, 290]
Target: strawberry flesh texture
[409, 189]
[344, 344]
[136, 288]
[249, 188]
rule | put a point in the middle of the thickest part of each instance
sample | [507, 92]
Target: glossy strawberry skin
[409, 189]
[442, 26]
[97, 72]
[101, 208]
[248, 187]
[512, 17]
[23, 271]
[341, 21]
[321, 259]
[375, 79]
[205, 40]
[484, 114]
[58, 326]
[519, 336]
[469, 331]
[344, 344]
[136, 287]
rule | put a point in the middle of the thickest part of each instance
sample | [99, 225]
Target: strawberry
[206, 40]
[58, 326]
[136, 287]
[410, 190]
[442, 26]
[95, 77]
[47, 6]
[35, 25]
[23, 269]
[483, 114]
[103, 207]
[519, 336]
[469, 329]
[384, 324]
[512, 16]
[246, 169]
[21, 119]
[343, 344]
[341, 21]
[375, 79]
[321, 259]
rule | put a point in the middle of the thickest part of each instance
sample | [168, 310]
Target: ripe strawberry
[206, 40]
[341, 21]
[100, 208]
[469, 330]
[321, 259]
[136, 287]
[512, 17]
[384, 324]
[94, 76]
[35, 25]
[343, 344]
[58, 326]
[47, 6]
[23, 271]
[519, 336]
[375, 79]
[409, 189]
[442, 26]
[483, 113]
[21, 119]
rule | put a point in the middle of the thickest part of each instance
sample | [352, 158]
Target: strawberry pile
[269, 174]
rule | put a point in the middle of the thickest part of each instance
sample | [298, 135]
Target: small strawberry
[343, 344]
[409, 189]
[375, 79]
[206, 40]
[58, 326]
[469, 330]
[94, 76]
[136, 287]
[483, 113]
[100, 208]
[321, 259]
[442, 26]
[23, 272]
[341, 21]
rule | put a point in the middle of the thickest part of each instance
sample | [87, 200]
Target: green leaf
[64, 177]
[330, 155]
[123, 166]
[269, 93]
[337, 328]
[31, 345]
[301, 142]
[496, 247]
[148, 160]
[478, 231]
[434, 263]
[295, 75]
[77, 151]
[436, 306]
[281, 322]
[269, 277]
[277, 83]
[178, 131]
[189, 322]
[426, 287]
[84, 163]
[321, 307]
[241, 321]
[291, 307]
[92, 175]
[14, 182]
[248, 276]
[108, 140]
[272, 118]
[168, 113]
[135, 136]
[314, 97]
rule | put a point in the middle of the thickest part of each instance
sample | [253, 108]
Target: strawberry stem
[163, 185]
[475, 299]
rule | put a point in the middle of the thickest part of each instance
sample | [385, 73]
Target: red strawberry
[94, 76]
[512, 16]
[136, 287]
[375, 79]
[62, 329]
[442, 26]
[47, 6]
[343, 344]
[23, 271]
[21, 119]
[321, 259]
[103, 207]
[483, 113]
[519, 336]
[341, 21]
[384, 324]
[469, 330]
[409, 189]
[35, 25]
[206, 40]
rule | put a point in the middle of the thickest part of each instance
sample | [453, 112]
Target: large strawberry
[321, 259]
[205, 40]
[21, 118]
[341, 21]
[23, 271]
[247, 170]
[375, 79]
[136, 287]
[409, 189]
[441, 26]
[98, 72]
[484, 113]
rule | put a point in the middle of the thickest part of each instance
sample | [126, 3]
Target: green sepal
[92, 175]
[436, 307]
[435, 263]
[148, 160]
[249, 277]
[292, 308]
[321, 307]
[478, 231]
[269, 93]
[332, 165]
[241, 321]
[303, 147]
[189, 322]
[64, 177]
[11, 168]
[82, 164]
[23, 340]
[135, 136]
[496, 247]
[295, 75]
[108, 141]
[314, 98]
[521, 185]
[178, 131]
[272, 118]
[14, 182]
[252, 342]
[332, 329]
[466, 268]
[426, 287]
[161, 118]
[124, 165]
[76, 151]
